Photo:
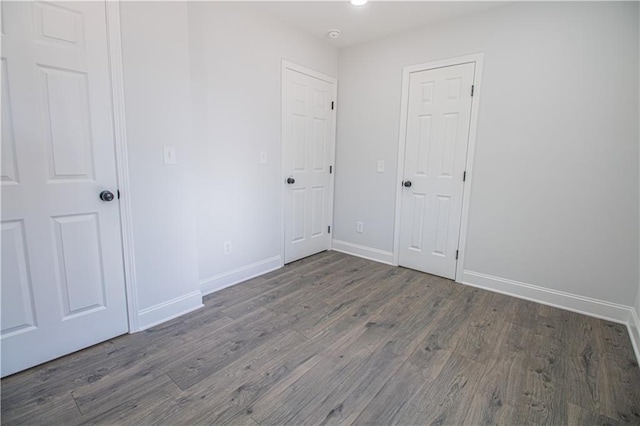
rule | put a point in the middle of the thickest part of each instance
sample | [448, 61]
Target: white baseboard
[238, 275]
[363, 251]
[169, 310]
[634, 331]
[559, 299]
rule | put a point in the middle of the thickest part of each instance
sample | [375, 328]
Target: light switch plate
[170, 155]
[263, 157]
[380, 166]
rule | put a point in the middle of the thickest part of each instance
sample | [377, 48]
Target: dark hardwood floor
[337, 339]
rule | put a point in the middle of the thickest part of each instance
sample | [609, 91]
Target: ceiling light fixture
[358, 2]
[333, 33]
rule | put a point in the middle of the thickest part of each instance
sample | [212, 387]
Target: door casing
[114, 48]
[466, 196]
[334, 81]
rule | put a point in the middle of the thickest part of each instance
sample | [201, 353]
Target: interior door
[438, 118]
[308, 145]
[62, 272]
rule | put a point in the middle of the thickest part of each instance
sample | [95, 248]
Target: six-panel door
[308, 136]
[62, 272]
[438, 117]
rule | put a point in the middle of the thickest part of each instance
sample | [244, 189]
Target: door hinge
[472, 86]
[330, 169]
[464, 176]
[332, 105]
[329, 229]
[456, 254]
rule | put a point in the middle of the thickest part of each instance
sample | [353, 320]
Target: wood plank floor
[334, 339]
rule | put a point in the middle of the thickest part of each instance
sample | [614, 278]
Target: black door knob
[106, 195]
[407, 184]
[291, 181]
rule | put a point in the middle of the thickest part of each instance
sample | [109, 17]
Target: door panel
[308, 141]
[62, 272]
[64, 95]
[9, 168]
[79, 264]
[17, 293]
[317, 211]
[438, 118]
[298, 214]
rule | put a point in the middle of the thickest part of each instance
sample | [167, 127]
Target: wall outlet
[227, 247]
[263, 157]
[170, 155]
[359, 227]
[380, 166]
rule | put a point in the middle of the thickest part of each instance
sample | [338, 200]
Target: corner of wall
[365, 252]
[235, 276]
[253, 219]
[634, 319]
[169, 310]
[634, 331]
[627, 315]
[158, 113]
[572, 302]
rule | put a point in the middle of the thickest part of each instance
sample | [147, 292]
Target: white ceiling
[375, 20]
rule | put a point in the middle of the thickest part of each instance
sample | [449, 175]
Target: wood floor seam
[76, 402]
[174, 382]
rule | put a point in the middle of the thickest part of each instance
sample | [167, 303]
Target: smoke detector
[333, 33]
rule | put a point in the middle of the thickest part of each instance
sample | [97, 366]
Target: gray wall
[205, 78]
[236, 57]
[555, 190]
[158, 113]
[554, 196]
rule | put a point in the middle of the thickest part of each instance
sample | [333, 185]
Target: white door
[62, 273]
[308, 138]
[438, 118]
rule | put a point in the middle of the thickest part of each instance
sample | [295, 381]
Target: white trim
[165, 311]
[307, 71]
[634, 332]
[466, 195]
[122, 163]
[238, 275]
[402, 142]
[332, 160]
[365, 252]
[471, 148]
[559, 299]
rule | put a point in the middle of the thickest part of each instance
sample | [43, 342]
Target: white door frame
[320, 76]
[466, 194]
[114, 47]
